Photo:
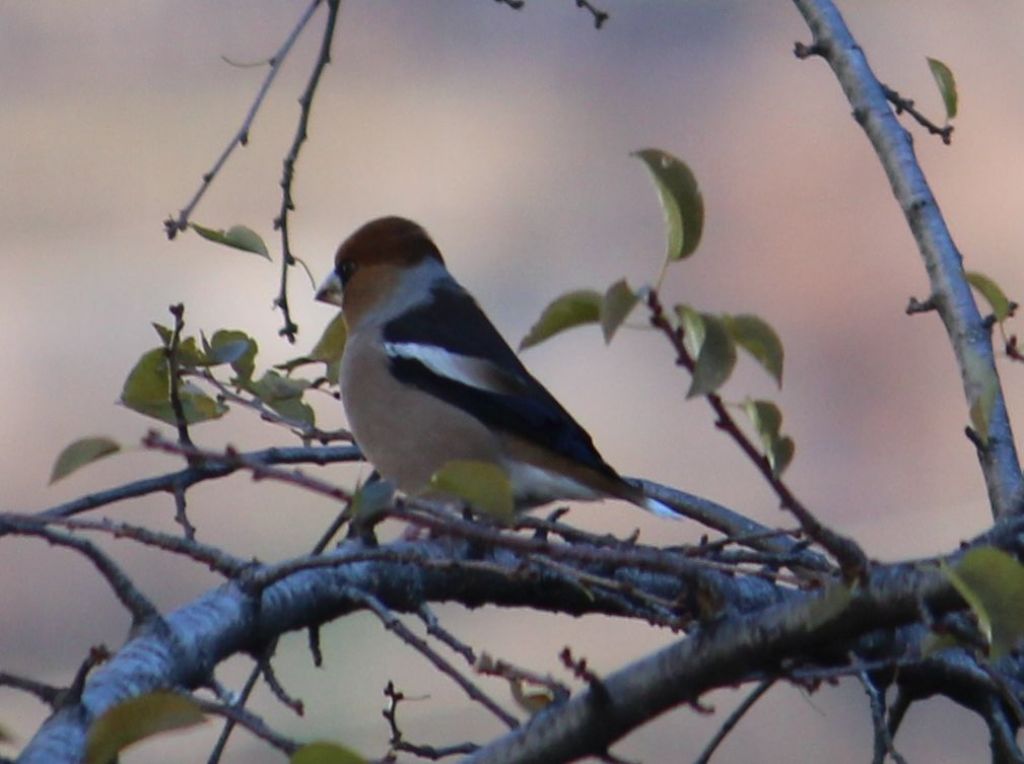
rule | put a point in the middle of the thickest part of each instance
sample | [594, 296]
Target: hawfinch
[426, 379]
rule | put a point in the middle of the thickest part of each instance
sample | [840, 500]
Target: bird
[426, 379]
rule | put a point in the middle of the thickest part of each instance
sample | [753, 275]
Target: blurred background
[507, 134]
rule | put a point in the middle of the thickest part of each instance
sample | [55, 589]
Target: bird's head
[388, 259]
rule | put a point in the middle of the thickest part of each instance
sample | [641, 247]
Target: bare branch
[199, 473]
[971, 342]
[848, 554]
[301, 132]
[137, 604]
[732, 720]
[173, 225]
[394, 624]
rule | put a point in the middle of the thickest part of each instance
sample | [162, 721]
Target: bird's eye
[345, 270]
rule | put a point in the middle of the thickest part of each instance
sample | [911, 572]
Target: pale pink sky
[508, 136]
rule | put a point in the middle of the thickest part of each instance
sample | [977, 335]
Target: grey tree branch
[950, 292]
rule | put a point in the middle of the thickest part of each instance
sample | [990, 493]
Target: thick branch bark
[950, 292]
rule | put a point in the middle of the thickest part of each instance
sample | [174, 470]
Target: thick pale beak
[330, 290]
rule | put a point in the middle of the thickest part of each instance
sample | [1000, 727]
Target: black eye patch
[345, 270]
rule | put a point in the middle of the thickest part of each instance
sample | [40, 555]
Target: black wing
[524, 407]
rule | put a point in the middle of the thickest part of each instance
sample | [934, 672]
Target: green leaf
[992, 584]
[236, 348]
[757, 337]
[238, 237]
[767, 420]
[148, 383]
[618, 301]
[273, 387]
[1001, 306]
[582, 306]
[716, 358]
[283, 395]
[681, 201]
[331, 346]
[80, 453]
[484, 486]
[323, 752]
[781, 454]
[189, 356]
[947, 85]
[147, 390]
[166, 334]
[693, 328]
[137, 719]
[294, 409]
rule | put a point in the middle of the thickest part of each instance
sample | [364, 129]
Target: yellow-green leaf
[618, 301]
[533, 700]
[323, 752]
[767, 420]
[147, 390]
[149, 382]
[693, 328]
[331, 346]
[273, 387]
[992, 584]
[166, 334]
[484, 486]
[716, 359]
[236, 348]
[1001, 306]
[80, 453]
[681, 201]
[947, 85]
[137, 719]
[582, 306]
[757, 337]
[781, 454]
[238, 237]
[189, 356]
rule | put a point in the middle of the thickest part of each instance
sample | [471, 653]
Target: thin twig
[213, 557]
[964, 325]
[236, 714]
[180, 420]
[906, 105]
[599, 16]
[173, 225]
[199, 473]
[303, 430]
[436, 630]
[137, 604]
[47, 693]
[395, 624]
[397, 739]
[301, 133]
[732, 720]
[848, 554]
[883, 745]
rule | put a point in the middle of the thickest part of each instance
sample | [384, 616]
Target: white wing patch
[474, 372]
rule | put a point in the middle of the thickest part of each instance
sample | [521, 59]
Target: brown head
[372, 263]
